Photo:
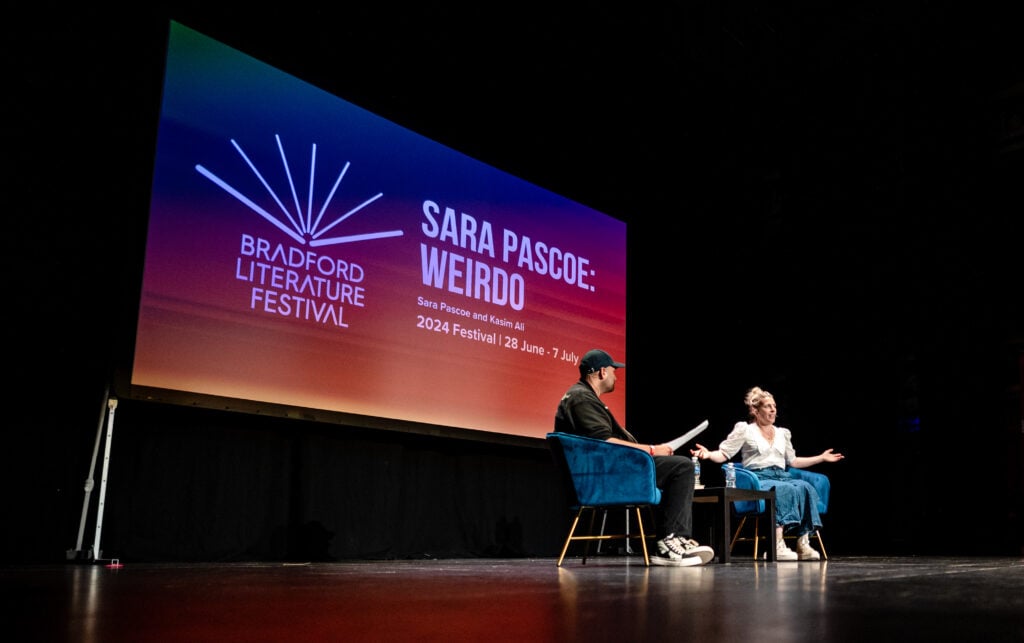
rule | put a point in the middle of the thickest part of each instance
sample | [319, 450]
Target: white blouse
[754, 449]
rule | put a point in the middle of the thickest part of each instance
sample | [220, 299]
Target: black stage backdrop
[227, 486]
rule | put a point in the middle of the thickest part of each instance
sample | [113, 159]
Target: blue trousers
[796, 501]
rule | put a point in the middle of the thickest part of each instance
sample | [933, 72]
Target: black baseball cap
[596, 359]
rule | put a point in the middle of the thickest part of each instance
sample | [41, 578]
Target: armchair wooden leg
[821, 544]
[643, 537]
[757, 535]
[736, 534]
[568, 539]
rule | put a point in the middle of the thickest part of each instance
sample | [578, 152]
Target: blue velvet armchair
[754, 510]
[602, 475]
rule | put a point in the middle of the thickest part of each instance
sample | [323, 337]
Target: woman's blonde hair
[755, 397]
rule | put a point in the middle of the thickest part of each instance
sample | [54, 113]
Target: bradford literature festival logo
[289, 278]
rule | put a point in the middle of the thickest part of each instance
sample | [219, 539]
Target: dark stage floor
[611, 598]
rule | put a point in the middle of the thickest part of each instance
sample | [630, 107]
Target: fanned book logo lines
[300, 224]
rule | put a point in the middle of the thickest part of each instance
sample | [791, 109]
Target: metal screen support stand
[94, 553]
[112, 406]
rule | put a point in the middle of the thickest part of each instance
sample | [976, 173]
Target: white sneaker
[784, 553]
[681, 552]
[804, 550]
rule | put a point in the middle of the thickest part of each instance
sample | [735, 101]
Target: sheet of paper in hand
[689, 435]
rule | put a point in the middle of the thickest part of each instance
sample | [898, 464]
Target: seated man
[581, 412]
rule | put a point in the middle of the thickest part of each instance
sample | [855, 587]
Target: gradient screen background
[303, 253]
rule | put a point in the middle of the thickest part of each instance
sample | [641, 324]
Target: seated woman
[766, 450]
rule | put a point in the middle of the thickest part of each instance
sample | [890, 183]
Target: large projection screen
[304, 253]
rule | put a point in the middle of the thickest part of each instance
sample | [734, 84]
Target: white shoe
[784, 553]
[804, 550]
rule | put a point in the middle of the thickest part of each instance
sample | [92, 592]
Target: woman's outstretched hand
[828, 456]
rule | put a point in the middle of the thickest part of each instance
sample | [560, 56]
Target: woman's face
[765, 413]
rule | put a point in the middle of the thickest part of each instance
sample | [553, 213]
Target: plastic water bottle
[696, 472]
[730, 474]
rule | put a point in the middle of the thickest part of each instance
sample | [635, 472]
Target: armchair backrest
[597, 473]
[819, 481]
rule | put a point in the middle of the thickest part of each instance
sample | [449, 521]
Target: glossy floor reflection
[611, 598]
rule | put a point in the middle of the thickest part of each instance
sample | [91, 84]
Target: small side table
[724, 497]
